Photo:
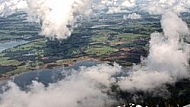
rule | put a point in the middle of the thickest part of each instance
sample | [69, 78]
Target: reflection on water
[11, 44]
[47, 76]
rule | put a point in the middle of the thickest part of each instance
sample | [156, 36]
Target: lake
[46, 76]
[11, 44]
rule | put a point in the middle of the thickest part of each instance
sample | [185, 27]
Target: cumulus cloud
[7, 7]
[168, 57]
[107, 2]
[167, 62]
[150, 6]
[132, 16]
[57, 17]
[85, 87]
[159, 6]
[112, 10]
[129, 3]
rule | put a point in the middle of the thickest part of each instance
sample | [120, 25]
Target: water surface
[46, 76]
[11, 44]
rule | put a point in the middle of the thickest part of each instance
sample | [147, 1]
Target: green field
[100, 50]
[84, 42]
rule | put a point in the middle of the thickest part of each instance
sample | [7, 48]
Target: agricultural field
[104, 43]
[124, 42]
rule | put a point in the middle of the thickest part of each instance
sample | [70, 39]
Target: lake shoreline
[71, 62]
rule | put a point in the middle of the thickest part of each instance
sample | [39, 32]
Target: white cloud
[132, 16]
[83, 88]
[167, 62]
[56, 15]
[129, 3]
[7, 7]
[160, 6]
[168, 57]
